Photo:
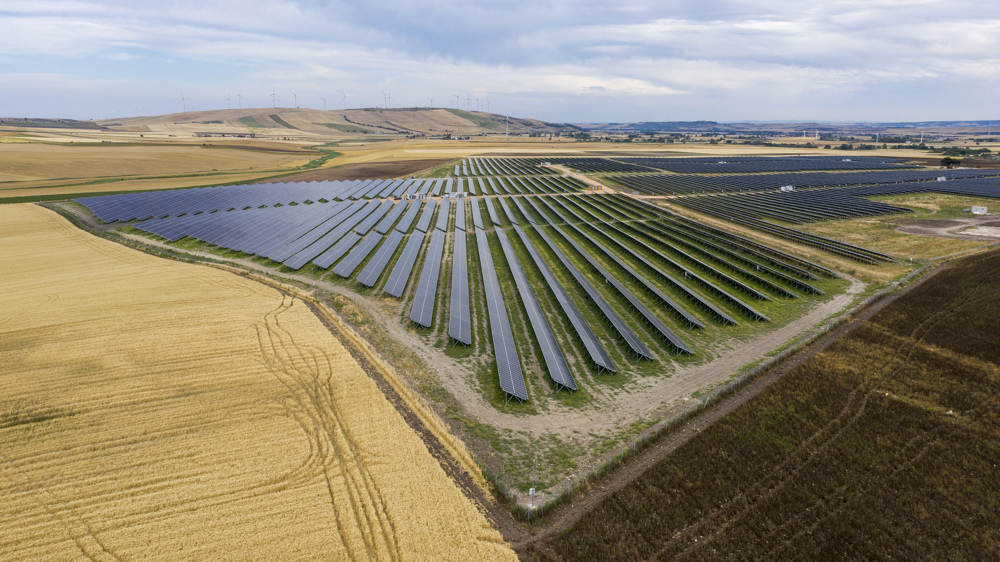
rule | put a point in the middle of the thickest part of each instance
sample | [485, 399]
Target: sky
[560, 61]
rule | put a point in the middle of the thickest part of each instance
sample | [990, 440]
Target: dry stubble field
[151, 409]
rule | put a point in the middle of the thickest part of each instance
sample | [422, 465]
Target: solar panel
[387, 222]
[460, 214]
[520, 206]
[508, 363]
[407, 220]
[370, 274]
[422, 311]
[442, 220]
[493, 212]
[506, 210]
[648, 315]
[477, 217]
[460, 324]
[425, 218]
[293, 246]
[401, 189]
[357, 255]
[404, 265]
[554, 359]
[337, 251]
[318, 247]
[373, 218]
[638, 348]
[593, 345]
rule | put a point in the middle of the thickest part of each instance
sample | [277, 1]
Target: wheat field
[151, 409]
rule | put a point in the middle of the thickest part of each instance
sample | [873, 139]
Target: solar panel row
[633, 341]
[370, 274]
[684, 184]
[460, 323]
[660, 327]
[346, 267]
[593, 345]
[425, 218]
[404, 265]
[422, 310]
[504, 350]
[554, 359]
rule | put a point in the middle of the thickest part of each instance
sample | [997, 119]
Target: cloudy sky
[580, 61]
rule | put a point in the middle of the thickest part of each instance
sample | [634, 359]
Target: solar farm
[540, 299]
[561, 289]
[653, 281]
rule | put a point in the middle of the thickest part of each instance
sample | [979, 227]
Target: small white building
[788, 188]
[979, 211]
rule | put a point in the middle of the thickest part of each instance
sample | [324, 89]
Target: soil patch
[961, 228]
[364, 170]
[932, 223]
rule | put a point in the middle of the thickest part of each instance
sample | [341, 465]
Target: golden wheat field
[151, 409]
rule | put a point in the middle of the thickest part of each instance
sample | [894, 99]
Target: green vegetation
[345, 128]
[249, 121]
[479, 120]
[49, 123]
[277, 119]
[886, 445]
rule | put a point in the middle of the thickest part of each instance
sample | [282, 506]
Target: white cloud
[576, 61]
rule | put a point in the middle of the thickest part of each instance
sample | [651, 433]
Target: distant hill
[941, 127]
[350, 123]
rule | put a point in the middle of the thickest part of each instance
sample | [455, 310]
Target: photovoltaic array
[636, 267]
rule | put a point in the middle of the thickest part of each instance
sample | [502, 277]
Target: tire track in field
[75, 525]
[739, 507]
[308, 374]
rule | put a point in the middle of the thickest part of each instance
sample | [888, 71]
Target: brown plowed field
[364, 170]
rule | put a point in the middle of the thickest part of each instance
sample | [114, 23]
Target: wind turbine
[229, 105]
[458, 98]
[240, 96]
[467, 108]
[477, 104]
[296, 96]
[506, 131]
[487, 104]
[432, 105]
[183, 103]
[324, 103]
[274, 96]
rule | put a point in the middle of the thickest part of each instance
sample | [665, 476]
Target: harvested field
[364, 170]
[151, 409]
[884, 445]
[24, 162]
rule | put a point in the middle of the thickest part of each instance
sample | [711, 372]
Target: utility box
[788, 188]
[979, 210]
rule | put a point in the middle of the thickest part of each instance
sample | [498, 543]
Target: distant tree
[948, 161]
